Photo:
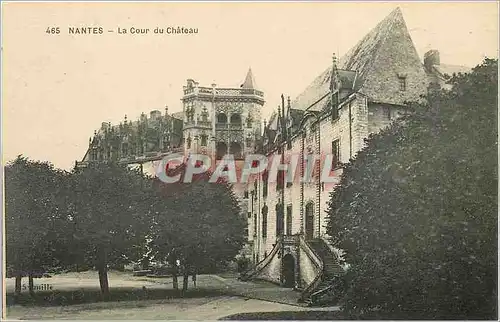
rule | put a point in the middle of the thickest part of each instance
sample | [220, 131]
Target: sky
[58, 88]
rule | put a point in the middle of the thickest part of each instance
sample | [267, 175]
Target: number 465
[53, 30]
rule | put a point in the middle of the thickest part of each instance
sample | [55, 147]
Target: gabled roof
[386, 48]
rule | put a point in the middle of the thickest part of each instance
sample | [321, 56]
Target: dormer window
[402, 83]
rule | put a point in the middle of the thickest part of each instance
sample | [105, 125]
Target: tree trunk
[18, 286]
[185, 280]
[103, 281]
[175, 281]
[103, 275]
[31, 285]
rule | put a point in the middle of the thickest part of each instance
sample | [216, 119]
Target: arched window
[221, 118]
[236, 118]
[221, 150]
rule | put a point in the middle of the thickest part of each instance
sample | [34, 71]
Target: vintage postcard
[250, 160]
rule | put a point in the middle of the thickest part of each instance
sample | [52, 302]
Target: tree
[416, 211]
[111, 206]
[35, 212]
[197, 223]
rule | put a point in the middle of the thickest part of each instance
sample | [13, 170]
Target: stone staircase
[331, 270]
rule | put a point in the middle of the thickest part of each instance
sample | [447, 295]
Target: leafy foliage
[416, 211]
[198, 223]
[110, 207]
[34, 205]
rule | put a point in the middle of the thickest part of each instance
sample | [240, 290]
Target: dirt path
[241, 297]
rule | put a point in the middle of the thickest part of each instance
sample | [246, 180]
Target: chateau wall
[272, 272]
[308, 270]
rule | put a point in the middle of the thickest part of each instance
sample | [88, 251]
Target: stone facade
[220, 121]
[360, 95]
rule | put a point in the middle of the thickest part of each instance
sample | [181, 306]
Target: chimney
[431, 58]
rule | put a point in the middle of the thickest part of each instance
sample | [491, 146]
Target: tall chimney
[431, 58]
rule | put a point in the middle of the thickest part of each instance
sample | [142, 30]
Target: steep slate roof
[387, 48]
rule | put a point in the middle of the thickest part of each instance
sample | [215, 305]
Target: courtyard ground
[214, 297]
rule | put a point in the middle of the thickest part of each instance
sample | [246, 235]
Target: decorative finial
[125, 118]
[166, 109]
[289, 102]
[334, 60]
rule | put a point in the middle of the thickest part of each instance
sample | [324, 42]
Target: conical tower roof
[249, 80]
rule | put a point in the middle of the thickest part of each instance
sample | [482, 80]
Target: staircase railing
[318, 263]
[263, 263]
[317, 294]
[334, 251]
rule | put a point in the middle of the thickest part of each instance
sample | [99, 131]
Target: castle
[358, 95]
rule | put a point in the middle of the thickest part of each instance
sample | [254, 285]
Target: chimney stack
[431, 58]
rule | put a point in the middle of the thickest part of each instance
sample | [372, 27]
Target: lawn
[77, 296]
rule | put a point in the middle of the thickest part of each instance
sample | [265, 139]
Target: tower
[222, 120]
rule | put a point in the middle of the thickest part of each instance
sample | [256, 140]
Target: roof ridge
[391, 20]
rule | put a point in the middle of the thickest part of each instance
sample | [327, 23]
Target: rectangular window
[335, 106]
[264, 184]
[245, 194]
[335, 154]
[204, 140]
[264, 225]
[289, 219]
[279, 220]
[280, 180]
[402, 83]
[255, 225]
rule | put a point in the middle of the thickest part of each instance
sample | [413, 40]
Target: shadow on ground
[286, 315]
[70, 297]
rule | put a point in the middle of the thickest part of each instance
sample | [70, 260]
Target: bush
[416, 212]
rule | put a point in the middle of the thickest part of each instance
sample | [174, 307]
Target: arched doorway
[288, 271]
[309, 220]
[221, 150]
[235, 149]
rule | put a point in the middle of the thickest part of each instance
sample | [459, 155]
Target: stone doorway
[288, 271]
